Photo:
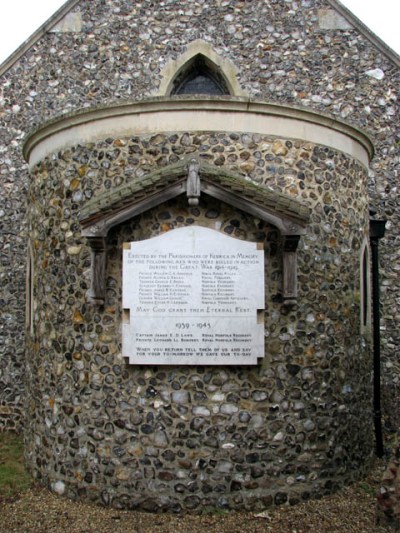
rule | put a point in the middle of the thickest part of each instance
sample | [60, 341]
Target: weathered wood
[279, 220]
[290, 243]
[97, 291]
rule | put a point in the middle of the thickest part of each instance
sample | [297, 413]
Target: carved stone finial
[193, 182]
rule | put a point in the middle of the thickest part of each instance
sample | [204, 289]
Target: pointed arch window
[200, 76]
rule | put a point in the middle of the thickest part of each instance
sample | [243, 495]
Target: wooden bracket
[97, 292]
[290, 243]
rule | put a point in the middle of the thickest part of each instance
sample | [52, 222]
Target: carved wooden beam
[285, 225]
[290, 243]
[99, 225]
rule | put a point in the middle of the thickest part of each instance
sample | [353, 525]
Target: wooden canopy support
[287, 214]
[290, 243]
[97, 291]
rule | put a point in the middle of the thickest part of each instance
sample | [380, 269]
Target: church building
[193, 195]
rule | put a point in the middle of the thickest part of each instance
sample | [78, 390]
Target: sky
[20, 18]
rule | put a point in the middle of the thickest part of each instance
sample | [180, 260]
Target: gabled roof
[113, 207]
[70, 4]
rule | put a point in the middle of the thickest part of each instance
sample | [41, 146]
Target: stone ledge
[196, 114]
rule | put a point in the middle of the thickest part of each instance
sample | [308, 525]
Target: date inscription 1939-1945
[193, 296]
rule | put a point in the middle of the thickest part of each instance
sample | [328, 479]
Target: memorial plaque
[193, 296]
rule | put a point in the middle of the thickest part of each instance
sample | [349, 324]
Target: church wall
[187, 438]
[281, 54]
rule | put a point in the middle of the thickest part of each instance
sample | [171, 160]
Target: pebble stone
[178, 438]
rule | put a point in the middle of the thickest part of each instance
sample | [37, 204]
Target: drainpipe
[376, 232]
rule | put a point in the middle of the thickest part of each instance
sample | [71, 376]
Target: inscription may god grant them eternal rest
[193, 296]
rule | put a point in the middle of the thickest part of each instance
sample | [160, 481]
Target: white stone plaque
[193, 296]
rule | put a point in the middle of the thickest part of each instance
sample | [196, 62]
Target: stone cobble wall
[171, 438]
[281, 54]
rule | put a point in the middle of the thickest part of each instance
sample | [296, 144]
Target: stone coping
[197, 113]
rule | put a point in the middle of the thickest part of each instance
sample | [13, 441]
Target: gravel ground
[352, 510]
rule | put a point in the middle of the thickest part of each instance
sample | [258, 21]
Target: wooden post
[97, 291]
[290, 243]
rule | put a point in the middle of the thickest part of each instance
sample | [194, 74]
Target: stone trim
[199, 113]
[330, 19]
[223, 66]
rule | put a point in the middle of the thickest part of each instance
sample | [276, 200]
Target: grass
[366, 487]
[13, 475]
